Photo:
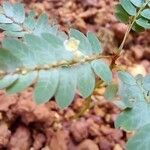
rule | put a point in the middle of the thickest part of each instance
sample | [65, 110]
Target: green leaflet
[146, 13]
[85, 80]
[22, 83]
[126, 78]
[95, 44]
[146, 83]
[111, 91]
[19, 13]
[128, 7]
[46, 86]
[134, 118]
[53, 40]
[3, 19]
[42, 26]
[8, 62]
[121, 14]
[20, 51]
[133, 93]
[141, 140]
[14, 34]
[8, 9]
[66, 88]
[137, 28]
[11, 27]
[84, 45]
[102, 70]
[62, 35]
[137, 3]
[143, 23]
[7, 81]
[30, 21]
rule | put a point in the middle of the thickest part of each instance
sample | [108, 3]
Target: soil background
[26, 126]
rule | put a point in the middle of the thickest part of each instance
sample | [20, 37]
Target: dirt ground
[26, 126]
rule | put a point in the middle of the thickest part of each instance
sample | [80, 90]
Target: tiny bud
[62, 62]
[46, 66]
[82, 60]
[53, 64]
[24, 71]
[18, 69]
[2, 72]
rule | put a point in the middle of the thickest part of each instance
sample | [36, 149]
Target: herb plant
[58, 65]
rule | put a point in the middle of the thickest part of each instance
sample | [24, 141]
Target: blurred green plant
[35, 52]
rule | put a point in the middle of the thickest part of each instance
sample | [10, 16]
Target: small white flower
[71, 44]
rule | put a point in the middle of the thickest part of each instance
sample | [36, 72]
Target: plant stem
[130, 27]
[73, 62]
[88, 101]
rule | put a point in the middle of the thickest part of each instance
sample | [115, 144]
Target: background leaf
[121, 14]
[134, 118]
[146, 13]
[111, 91]
[126, 78]
[128, 7]
[141, 140]
[137, 3]
[146, 82]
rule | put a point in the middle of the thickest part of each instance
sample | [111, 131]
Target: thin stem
[88, 101]
[86, 106]
[63, 63]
